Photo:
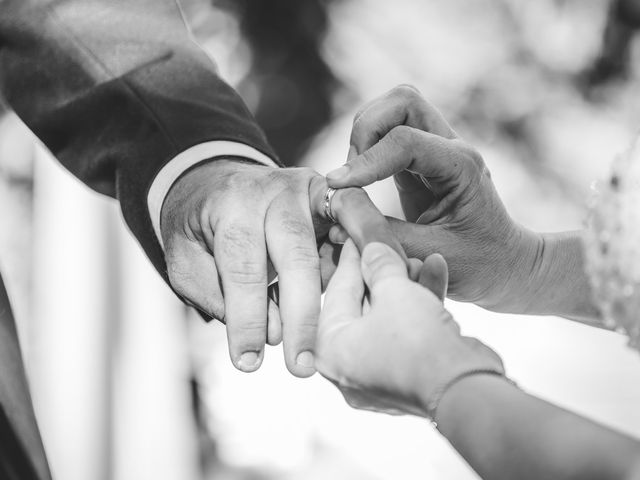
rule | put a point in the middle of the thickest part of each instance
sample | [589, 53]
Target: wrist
[559, 283]
[544, 275]
[466, 397]
[514, 272]
[462, 358]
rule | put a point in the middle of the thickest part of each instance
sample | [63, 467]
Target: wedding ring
[328, 196]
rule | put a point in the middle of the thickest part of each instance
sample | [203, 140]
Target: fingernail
[249, 360]
[338, 173]
[373, 251]
[305, 359]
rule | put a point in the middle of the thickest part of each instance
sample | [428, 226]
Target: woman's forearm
[552, 281]
[503, 433]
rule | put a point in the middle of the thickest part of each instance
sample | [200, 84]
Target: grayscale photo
[319, 240]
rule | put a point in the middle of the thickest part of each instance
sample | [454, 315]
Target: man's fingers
[329, 255]
[403, 105]
[338, 235]
[194, 277]
[343, 299]
[434, 275]
[240, 252]
[380, 263]
[292, 248]
[274, 324]
[415, 267]
[355, 212]
[362, 220]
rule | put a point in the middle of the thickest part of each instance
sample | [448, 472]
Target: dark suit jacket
[115, 89]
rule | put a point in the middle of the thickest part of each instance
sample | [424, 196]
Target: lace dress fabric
[613, 245]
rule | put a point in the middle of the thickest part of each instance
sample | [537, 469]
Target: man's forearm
[504, 433]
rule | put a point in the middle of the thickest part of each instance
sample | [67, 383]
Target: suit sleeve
[116, 89]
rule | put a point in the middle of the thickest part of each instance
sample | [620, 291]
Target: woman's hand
[397, 355]
[446, 189]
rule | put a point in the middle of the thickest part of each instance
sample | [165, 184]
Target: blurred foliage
[613, 62]
[295, 84]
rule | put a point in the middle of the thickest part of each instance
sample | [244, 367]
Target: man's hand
[446, 189]
[398, 356]
[220, 223]
[229, 227]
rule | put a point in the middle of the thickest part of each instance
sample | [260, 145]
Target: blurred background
[129, 384]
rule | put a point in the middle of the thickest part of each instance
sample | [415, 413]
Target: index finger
[435, 158]
[403, 105]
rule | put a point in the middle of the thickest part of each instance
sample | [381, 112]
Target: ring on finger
[328, 212]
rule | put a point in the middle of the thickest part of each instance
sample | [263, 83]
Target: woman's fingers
[343, 299]
[274, 324]
[402, 105]
[381, 264]
[434, 275]
[436, 158]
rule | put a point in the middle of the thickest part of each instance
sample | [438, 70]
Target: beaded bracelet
[435, 403]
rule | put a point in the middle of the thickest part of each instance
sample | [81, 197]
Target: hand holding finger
[356, 214]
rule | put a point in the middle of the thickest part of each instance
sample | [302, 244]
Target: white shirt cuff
[182, 162]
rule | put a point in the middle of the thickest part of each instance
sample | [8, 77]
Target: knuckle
[348, 196]
[246, 273]
[303, 258]
[307, 325]
[281, 179]
[238, 239]
[474, 159]
[360, 114]
[297, 225]
[247, 328]
[241, 181]
[401, 136]
[368, 158]
[290, 179]
[307, 173]
[405, 91]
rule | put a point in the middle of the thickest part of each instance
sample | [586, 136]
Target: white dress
[613, 245]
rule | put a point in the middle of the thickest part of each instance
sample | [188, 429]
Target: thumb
[420, 241]
[434, 275]
[380, 262]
